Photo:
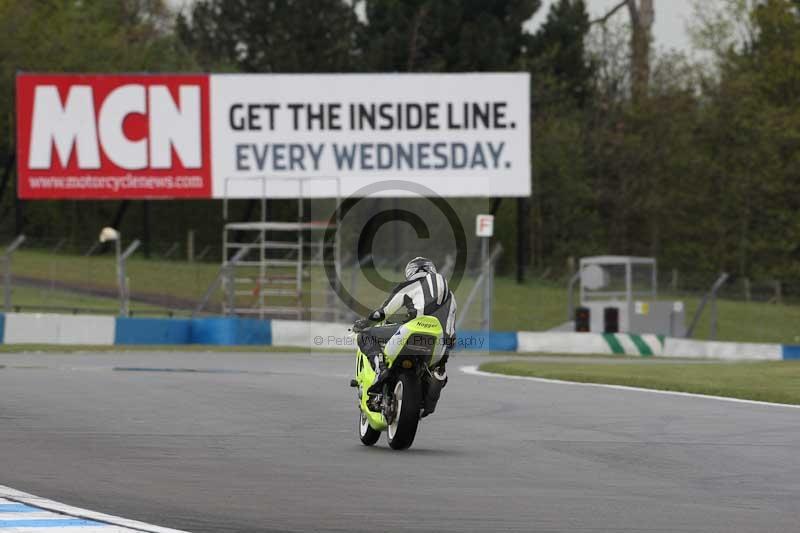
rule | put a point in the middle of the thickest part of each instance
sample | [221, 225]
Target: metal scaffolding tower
[278, 268]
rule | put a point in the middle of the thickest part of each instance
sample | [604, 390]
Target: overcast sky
[672, 17]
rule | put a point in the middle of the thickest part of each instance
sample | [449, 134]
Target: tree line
[636, 150]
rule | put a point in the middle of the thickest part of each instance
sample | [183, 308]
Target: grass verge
[34, 299]
[777, 381]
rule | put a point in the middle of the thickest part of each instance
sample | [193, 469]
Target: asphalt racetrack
[267, 442]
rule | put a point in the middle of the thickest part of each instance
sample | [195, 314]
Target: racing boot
[436, 382]
[381, 373]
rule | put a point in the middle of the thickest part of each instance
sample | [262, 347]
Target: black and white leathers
[427, 293]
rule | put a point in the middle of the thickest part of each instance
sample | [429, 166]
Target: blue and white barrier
[791, 353]
[20, 328]
[589, 343]
[650, 345]
[152, 331]
[301, 334]
[39, 328]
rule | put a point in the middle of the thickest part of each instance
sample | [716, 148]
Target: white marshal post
[108, 234]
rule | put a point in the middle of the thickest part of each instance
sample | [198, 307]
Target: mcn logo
[113, 136]
[75, 124]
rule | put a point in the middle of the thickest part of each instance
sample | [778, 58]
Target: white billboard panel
[460, 135]
[115, 136]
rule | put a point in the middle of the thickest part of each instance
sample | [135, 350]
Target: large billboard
[236, 136]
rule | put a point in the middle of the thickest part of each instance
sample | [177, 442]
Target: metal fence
[85, 277]
[58, 276]
[721, 306]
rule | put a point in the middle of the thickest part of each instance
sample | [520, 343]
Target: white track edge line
[50, 505]
[473, 370]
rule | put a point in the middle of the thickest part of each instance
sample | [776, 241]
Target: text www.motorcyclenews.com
[117, 183]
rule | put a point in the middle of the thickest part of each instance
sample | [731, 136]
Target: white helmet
[419, 267]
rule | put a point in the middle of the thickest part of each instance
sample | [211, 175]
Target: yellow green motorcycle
[410, 391]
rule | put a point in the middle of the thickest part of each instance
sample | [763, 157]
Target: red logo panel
[120, 136]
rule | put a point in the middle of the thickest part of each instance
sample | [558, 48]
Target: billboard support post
[523, 238]
[190, 246]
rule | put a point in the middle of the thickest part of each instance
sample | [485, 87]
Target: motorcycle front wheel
[407, 397]
[367, 435]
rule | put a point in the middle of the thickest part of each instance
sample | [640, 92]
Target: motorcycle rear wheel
[408, 397]
[367, 435]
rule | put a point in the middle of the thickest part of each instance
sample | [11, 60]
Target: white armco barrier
[557, 342]
[730, 351]
[324, 335]
[58, 329]
[589, 343]
[619, 343]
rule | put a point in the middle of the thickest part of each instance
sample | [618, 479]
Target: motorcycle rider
[425, 292]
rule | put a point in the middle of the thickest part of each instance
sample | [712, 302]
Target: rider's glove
[362, 324]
